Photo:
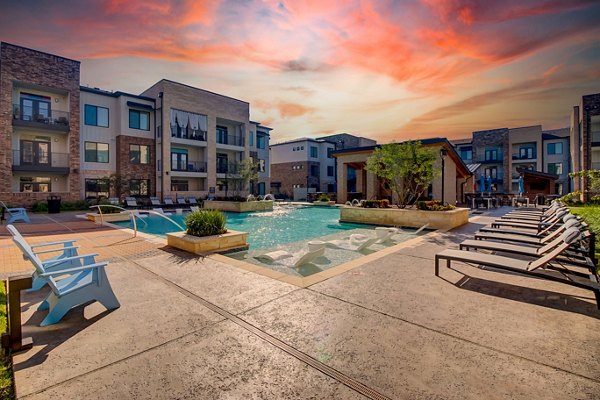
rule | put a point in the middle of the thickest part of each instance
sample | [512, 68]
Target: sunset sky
[388, 70]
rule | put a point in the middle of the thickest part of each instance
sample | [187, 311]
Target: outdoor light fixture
[443, 154]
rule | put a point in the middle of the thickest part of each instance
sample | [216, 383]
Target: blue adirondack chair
[15, 214]
[61, 261]
[81, 285]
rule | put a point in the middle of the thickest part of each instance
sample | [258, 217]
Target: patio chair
[315, 249]
[180, 200]
[155, 202]
[194, 208]
[530, 231]
[353, 243]
[385, 233]
[67, 258]
[161, 211]
[192, 201]
[131, 202]
[15, 214]
[540, 238]
[114, 201]
[532, 224]
[168, 202]
[534, 267]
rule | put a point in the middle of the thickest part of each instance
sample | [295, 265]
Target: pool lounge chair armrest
[62, 260]
[76, 269]
[69, 242]
[57, 249]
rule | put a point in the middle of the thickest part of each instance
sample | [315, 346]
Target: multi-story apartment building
[347, 141]
[117, 138]
[585, 137]
[200, 137]
[39, 125]
[525, 153]
[556, 157]
[302, 163]
[491, 151]
[258, 144]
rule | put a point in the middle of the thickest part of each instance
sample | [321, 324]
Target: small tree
[407, 167]
[241, 175]
[116, 184]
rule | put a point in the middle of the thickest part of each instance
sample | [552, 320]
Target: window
[179, 185]
[34, 108]
[139, 120]
[493, 172]
[329, 151]
[261, 165]
[222, 185]
[526, 153]
[296, 186]
[96, 116]
[329, 170]
[261, 142]
[96, 152]
[139, 154]
[491, 155]
[314, 170]
[35, 184]
[466, 153]
[559, 189]
[221, 134]
[222, 163]
[251, 139]
[555, 148]
[139, 187]
[179, 160]
[555, 168]
[297, 167]
[96, 188]
[314, 152]
[595, 128]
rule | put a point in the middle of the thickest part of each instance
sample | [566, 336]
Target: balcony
[524, 158]
[228, 168]
[188, 136]
[230, 140]
[191, 169]
[52, 119]
[46, 162]
[483, 160]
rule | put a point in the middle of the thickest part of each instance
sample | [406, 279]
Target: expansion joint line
[303, 357]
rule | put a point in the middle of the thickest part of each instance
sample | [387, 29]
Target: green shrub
[6, 375]
[434, 205]
[323, 197]
[39, 207]
[376, 203]
[571, 198]
[206, 223]
[74, 205]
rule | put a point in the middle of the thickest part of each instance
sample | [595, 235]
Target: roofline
[114, 94]
[196, 88]
[300, 140]
[39, 51]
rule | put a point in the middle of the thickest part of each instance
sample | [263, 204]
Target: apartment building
[347, 141]
[302, 164]
[39, 125]
[557, 157]
[258, 144]
[117, 139]
[585, 137]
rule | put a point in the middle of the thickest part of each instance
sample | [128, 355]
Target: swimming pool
[285, 224]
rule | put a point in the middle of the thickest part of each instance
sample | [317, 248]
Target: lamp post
[443, 154]
[306, 187]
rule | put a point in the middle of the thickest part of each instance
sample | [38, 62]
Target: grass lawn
[591, 215]
[6, 389]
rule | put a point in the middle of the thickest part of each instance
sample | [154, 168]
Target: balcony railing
[483, 160]
[228, 168]
[191, 166]
[56, 119]
[190, 134]
[523, 157]
[29, 161]
[230, 140]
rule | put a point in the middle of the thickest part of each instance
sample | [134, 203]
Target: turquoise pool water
[266, 229]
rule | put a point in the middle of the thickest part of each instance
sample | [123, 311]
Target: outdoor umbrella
[521, 185]
[489, 184]
[482, 183]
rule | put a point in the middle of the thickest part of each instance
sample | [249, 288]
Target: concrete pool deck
[192, 327]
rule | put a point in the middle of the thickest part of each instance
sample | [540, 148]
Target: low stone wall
[112, 217]
[239, 206]
[208, 244]
[405, 217]
[324, 203]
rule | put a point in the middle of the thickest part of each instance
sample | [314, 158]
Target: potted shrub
[206, 233]
[324, 200]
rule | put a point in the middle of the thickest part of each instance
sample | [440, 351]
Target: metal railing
[133, 214]
[185, 133]
[40, 159]
[524, 157]
[230, 140]
[191, 166]
[50, 117]
[228, 168]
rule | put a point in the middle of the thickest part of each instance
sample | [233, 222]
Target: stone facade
[497, 138]
[585, 152]
[48, 73]
[293, 173]
[128, 170]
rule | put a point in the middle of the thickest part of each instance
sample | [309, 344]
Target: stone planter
[239, 206]
[405, 217]
[114, 217]
[232, 240]
[324, 203]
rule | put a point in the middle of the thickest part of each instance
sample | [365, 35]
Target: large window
[96, 116]
[466, 153]
[96, 188]
[555, 148]
[179, 160]
[492, 171]
[222, 134]
[34, 107]
[96, 152]
[139, 187]
[35, 184]
[526, 153]
[329, 170]
[595, 128]
[261, 141]
[314, 170]
[179, 185]
[139, 120]
[491, 155]
[555, 168]
[314, 151]
[139, 154]
[251, 139]
[329, 152]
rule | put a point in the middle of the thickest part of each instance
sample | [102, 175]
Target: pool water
[285, 224]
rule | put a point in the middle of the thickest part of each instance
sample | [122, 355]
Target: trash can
[541, 200]
[53, 204]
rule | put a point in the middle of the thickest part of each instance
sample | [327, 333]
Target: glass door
[35, 153]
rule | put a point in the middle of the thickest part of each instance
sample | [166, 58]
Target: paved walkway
[190, 327]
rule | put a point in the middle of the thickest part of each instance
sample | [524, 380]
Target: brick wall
[590, 106]
[127, 170]
[22, 66]
[288, 176]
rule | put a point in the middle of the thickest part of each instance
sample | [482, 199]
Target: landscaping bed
[405, 217]
[239, 206]
[6, 376]
[591, 215]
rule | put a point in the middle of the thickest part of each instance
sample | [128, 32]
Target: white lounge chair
[169, 201]
[131, 202]
[15, 214]
[194, 208]
[353, 243]
[192, 201]
[180, 200]
[385, 233]
[315, 249]
[61, 261]
[161, 211]
[155, 202]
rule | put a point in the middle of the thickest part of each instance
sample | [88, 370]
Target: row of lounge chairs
[552, 244]
[73, 279]
[180, 201]
[355, 242]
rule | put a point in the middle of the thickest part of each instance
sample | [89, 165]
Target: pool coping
[302, 282]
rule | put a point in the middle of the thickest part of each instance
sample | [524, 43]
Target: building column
[342, 183]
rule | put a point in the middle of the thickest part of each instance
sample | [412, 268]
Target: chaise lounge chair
[315, 249]
[15, 214]
[154, 202]
[534, 267]
[353, 243]
[385, 233]
[131, 202]
[192, 201]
